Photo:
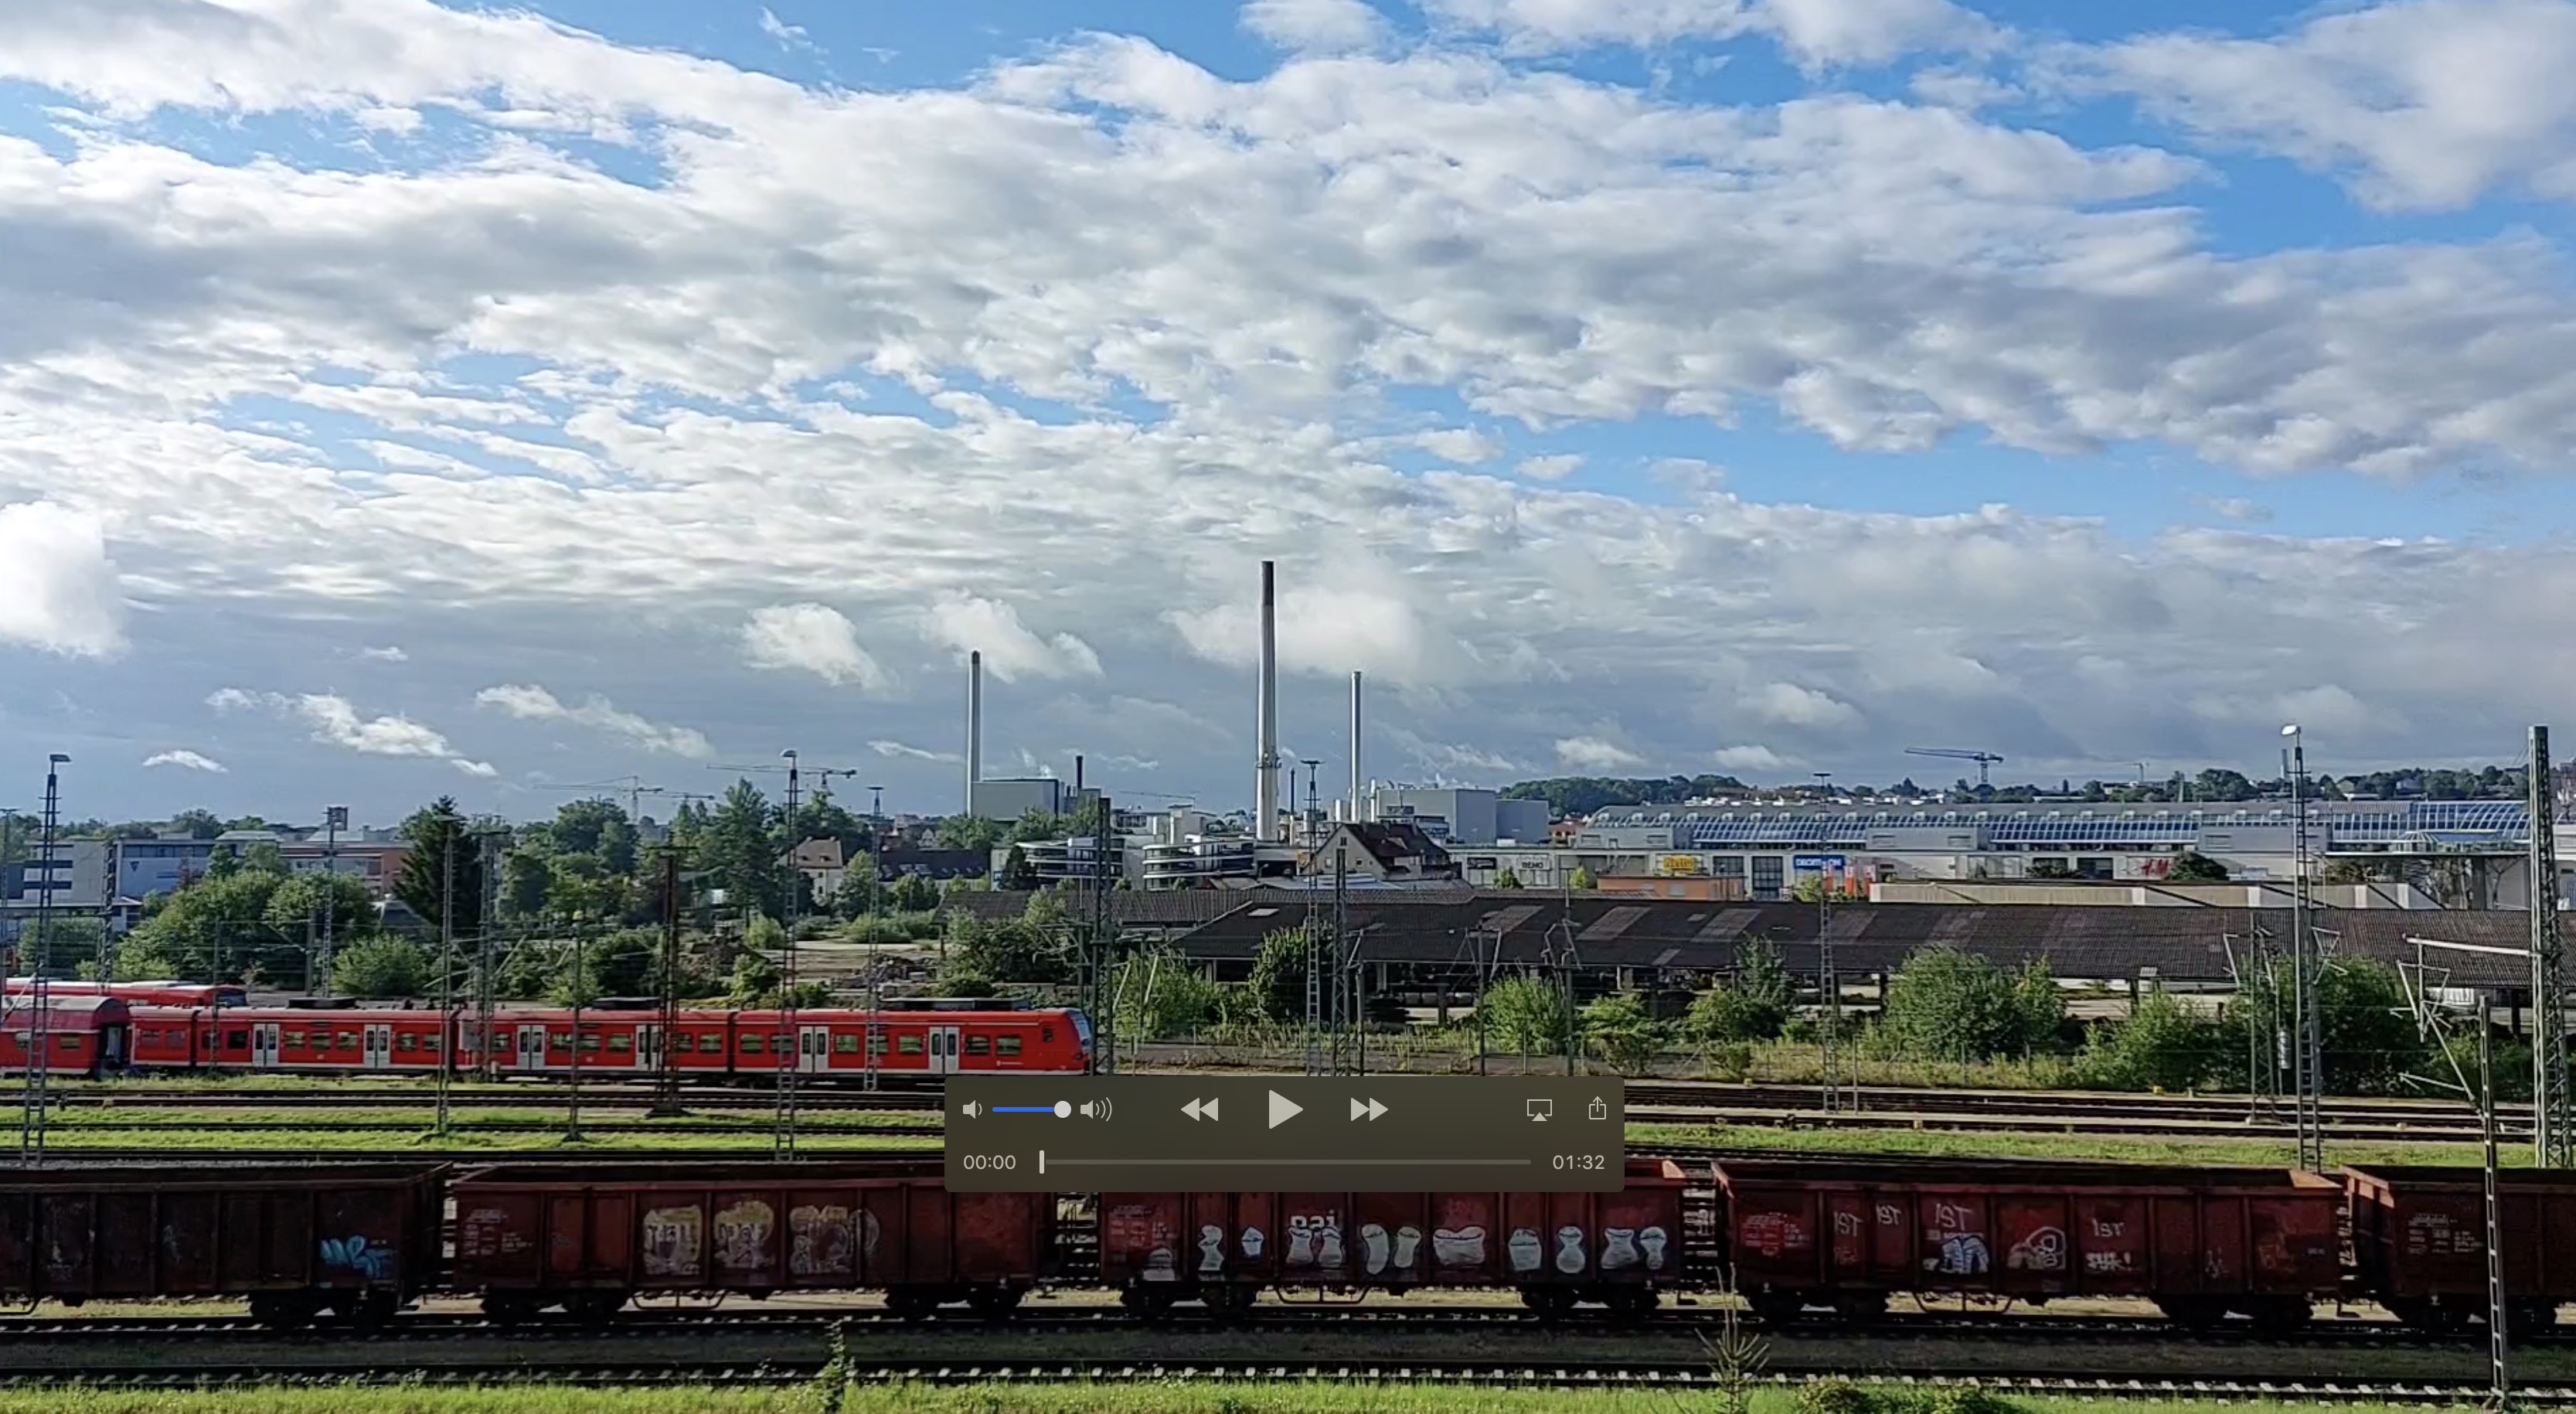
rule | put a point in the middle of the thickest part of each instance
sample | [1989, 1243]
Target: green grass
[1979, 1144]
[1174, 1397]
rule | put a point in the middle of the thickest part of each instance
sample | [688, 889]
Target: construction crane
[1983, 759]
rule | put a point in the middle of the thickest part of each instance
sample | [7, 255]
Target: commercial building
[1458, 816]
[1007, 798]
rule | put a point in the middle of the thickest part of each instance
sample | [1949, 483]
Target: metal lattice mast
[39, 1042]
[2304, 974]
[782, 1140]
[2424, 983]
[1829, 990]
[2553, 1104]
[447, 952]
[1104, 943]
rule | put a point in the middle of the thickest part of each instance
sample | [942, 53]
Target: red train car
[529, 1238]
[336, 1040]
[354, 1240]
[2419, 1242]
[1620, 1249]
[2201, 1242]
[83, 1037]
[827, 1042]
[140, 993]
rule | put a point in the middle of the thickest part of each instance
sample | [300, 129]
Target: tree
[197, 824]
[740, 854]
[1279, 974]
[1035, 824]
[1508, 879]
[1617, 1029]
[1018, 874]
[438, 835]
[597, 828]
[1944, 1004]
[1753, 1005]
[212, 929]
[265, 857]
[2159, 1047]
[1582, 878]
[2194, 867]
[527, 880]
[2367, 1037]
[968, 832]
[1525, 1013]
[383, 967]
[859, 893]
[296, 907]
[913, 894]
[1166, 995]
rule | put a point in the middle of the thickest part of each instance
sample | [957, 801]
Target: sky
[400, 399]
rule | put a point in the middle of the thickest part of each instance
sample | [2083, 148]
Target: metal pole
[666, 1103]
[485, 988]
[783, 1136]
[2309, 1066]
[2553, 1105]
[333, 817]
[446, 946]
[876, 891]
[2499, 1373]
[40, 1052]
[572, 1115]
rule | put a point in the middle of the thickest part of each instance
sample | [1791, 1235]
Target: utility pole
[335, 818]
[1829, 982]
[876, 896]
[2309, 1067]
[666, 1090]
[486, 994]
[783, 1136]
[39, 1044]
[580, 990]
[1104, 940]
[447, 951]
[2423, 982]
[2553, 1106]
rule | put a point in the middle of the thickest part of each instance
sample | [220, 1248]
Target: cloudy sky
[398, 399]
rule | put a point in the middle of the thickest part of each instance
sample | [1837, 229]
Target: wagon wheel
[1778, 1308]
[1551, 1302]
[283, 1309]
[595, 1306]
[1631, 1303]
[2534, 1317]
[508, 1308]
[911, 1303]
[2282, 1315]
[1230, 1301]
[994, 1303]
[2193, 1313]
[1860, 1308]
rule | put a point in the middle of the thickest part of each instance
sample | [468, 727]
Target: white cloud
[58, 589]
[788, 36]
[887, 747]
[1550, 468]
[1749, 758]
[1011, 652]
[1331, 620]
[335, 720]
[1316, 26]
[188, 760]
[388, 654]
[814, 638]
[1591, 753]
[1796, 706]
[2237, 508]
[2430, 104]
[533, 703]
[1815, 32]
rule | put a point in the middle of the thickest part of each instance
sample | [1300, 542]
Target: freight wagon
[2419, 1242]
[1846, 1233]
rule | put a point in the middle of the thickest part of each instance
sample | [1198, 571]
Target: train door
[648, 1047]
[532, 1047]
[814, 1049]
[263, 1045]
[943, 1050]
[376, 1046]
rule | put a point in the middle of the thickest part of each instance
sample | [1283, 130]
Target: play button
[1283, 1109]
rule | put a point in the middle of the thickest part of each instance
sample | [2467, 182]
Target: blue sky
[410, 398]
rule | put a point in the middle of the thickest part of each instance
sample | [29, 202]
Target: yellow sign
[1681, 864]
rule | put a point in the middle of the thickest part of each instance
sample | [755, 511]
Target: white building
[1458, 815]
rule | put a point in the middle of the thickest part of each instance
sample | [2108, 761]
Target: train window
[1006, 1045]
[1046, 1033]
[347, 1041]
[559, 1040]
[684, 1041]
[431, 1043]
[621, 1043]
[590, 1040]
[293, 1039]
[908, 1045]
[978, 1045]
[147, 1038]
[845, 1045]
[233, 1040]
[750, 1043]
[406, 1042]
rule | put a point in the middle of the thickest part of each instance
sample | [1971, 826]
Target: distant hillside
[1581, 795]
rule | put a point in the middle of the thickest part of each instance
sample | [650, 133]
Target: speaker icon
[972, 1108]
[1095, 1109]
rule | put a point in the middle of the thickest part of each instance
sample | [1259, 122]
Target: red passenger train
[709, 1043]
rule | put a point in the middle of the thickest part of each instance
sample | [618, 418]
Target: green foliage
[383, 967]
[297, 905]
[1618, 1031]
[739, 852]
[2194, 867]
[2368, 1039]
[1018, 874]
[210, 931]
[968, 832]
[1753, 1005]
[264, 857]
[437, 835]
[1944, 1004]
[1581, 795]
[1833, 1394]
[912, 894]
[1525, 1013]
[1161, 994]
[1028, 948]
[959, 980]
[860, 894]
[1279, 974]
[881, 930]
[766, 934]
[2161, 1047]
[1508, 879]
[754, 977]
[1582, 879]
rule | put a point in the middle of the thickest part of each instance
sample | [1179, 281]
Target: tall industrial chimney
[1265, 784]
[974, 726]
[1358, 801]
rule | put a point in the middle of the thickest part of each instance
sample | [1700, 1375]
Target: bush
[1524, 1014]
[2161, 1047]
[1730, 1060]
[1834, 1394]
[1617, 1030]
[1162, 994]
[382, 967]
[1279, 975]
[1944, 1004]
[2369, 1042]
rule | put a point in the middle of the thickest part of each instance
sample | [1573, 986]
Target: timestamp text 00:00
[984, 1162]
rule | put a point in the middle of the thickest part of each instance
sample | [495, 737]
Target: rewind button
[1200, 1109]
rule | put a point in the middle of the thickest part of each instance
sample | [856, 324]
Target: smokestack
[1357, 799]
[974, 726]
[1265, 784]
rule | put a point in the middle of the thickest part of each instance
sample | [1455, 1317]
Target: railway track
[1485, 1347]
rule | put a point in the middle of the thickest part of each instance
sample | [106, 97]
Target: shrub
[1833, 1394]
[382, 967]
[2160, 1047]
[1525, 1014]
[1618, 1031]
[1944, 1004]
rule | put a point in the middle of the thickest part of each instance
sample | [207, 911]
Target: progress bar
[1277, 1163]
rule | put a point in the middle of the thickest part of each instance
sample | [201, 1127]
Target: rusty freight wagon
[1619, 1249]
[529, 1238]
[2419, 1242]
[2201, 1243]
[353, 1240]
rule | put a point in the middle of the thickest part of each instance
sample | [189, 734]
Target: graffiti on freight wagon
[358, 1255]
